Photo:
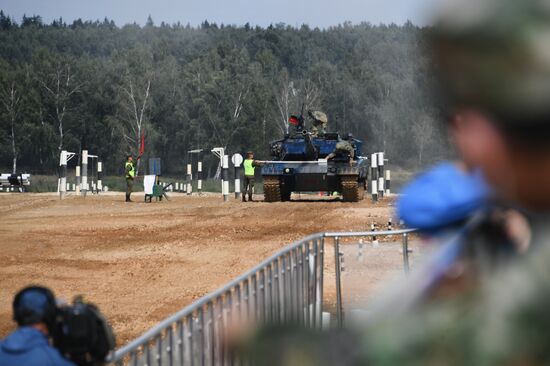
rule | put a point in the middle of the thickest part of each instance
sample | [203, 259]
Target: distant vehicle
[305, 161]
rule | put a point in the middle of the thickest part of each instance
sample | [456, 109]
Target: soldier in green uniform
[130, 174]
[249, 170]
[319, 121]
[484, 298]
[343, 147]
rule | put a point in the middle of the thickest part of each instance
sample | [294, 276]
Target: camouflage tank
[315, 161]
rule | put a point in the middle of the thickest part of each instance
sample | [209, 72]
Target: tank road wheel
[350, 188]
[272, 189]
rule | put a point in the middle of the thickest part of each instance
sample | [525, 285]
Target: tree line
[97, 86]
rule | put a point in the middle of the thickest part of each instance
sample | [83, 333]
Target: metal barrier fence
[285, 288]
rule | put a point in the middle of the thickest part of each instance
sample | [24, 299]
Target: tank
[305, 161]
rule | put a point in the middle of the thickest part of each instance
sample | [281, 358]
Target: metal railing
[285, 288]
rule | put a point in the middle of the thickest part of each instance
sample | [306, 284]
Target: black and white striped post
[380, 174]
[78, 181]
[84, 172]
[63, 174]
[374, 176]
[225, 177]
[237, 160]
[99, 176]
[374, 228]
[388, 182]
[199, 174]
[189, 177]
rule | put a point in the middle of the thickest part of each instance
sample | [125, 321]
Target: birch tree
[60, 85]
[11, 98]
[135, 102]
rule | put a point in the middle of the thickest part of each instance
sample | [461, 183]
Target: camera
[82, 333]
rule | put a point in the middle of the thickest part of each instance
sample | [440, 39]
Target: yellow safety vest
[249, 168]
[132, 171]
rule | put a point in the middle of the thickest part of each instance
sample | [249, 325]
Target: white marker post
[237, 160]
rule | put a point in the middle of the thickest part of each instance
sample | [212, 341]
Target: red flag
[142, 145]
[294, 120]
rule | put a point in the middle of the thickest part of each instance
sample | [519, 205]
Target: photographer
[80, 333]
[34, 310]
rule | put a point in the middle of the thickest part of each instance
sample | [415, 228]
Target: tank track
[352, 191]
[272, 189]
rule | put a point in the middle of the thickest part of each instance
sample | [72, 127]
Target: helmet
[35, 304]
[318, 116]
[495, 55]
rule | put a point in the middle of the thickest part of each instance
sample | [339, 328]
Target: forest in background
[98, 86]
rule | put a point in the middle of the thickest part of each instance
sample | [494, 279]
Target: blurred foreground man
[34, 310]
[484, 298]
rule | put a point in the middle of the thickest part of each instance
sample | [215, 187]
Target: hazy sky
[320, 13]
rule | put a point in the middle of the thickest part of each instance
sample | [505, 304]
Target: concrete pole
[99, 176]
[380, 174]
[63, 174]
[84, 172]
[189, 181]
[78, 183]
[199, 175]
[225, 177]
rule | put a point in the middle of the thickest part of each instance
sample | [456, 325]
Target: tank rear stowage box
[315, 162]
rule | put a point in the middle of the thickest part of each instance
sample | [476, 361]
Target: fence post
[63, 174]
[84, 172]
[406, 252]
[338, 281]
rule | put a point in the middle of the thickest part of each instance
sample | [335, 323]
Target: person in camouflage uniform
[319, 121]
[484, 297]
[343, 147]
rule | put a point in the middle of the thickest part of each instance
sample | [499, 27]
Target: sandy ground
[142, 262]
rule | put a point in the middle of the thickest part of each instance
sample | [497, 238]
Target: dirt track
[141, 262]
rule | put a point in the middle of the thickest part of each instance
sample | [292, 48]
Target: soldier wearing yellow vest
[130, 174]
[249, 168]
